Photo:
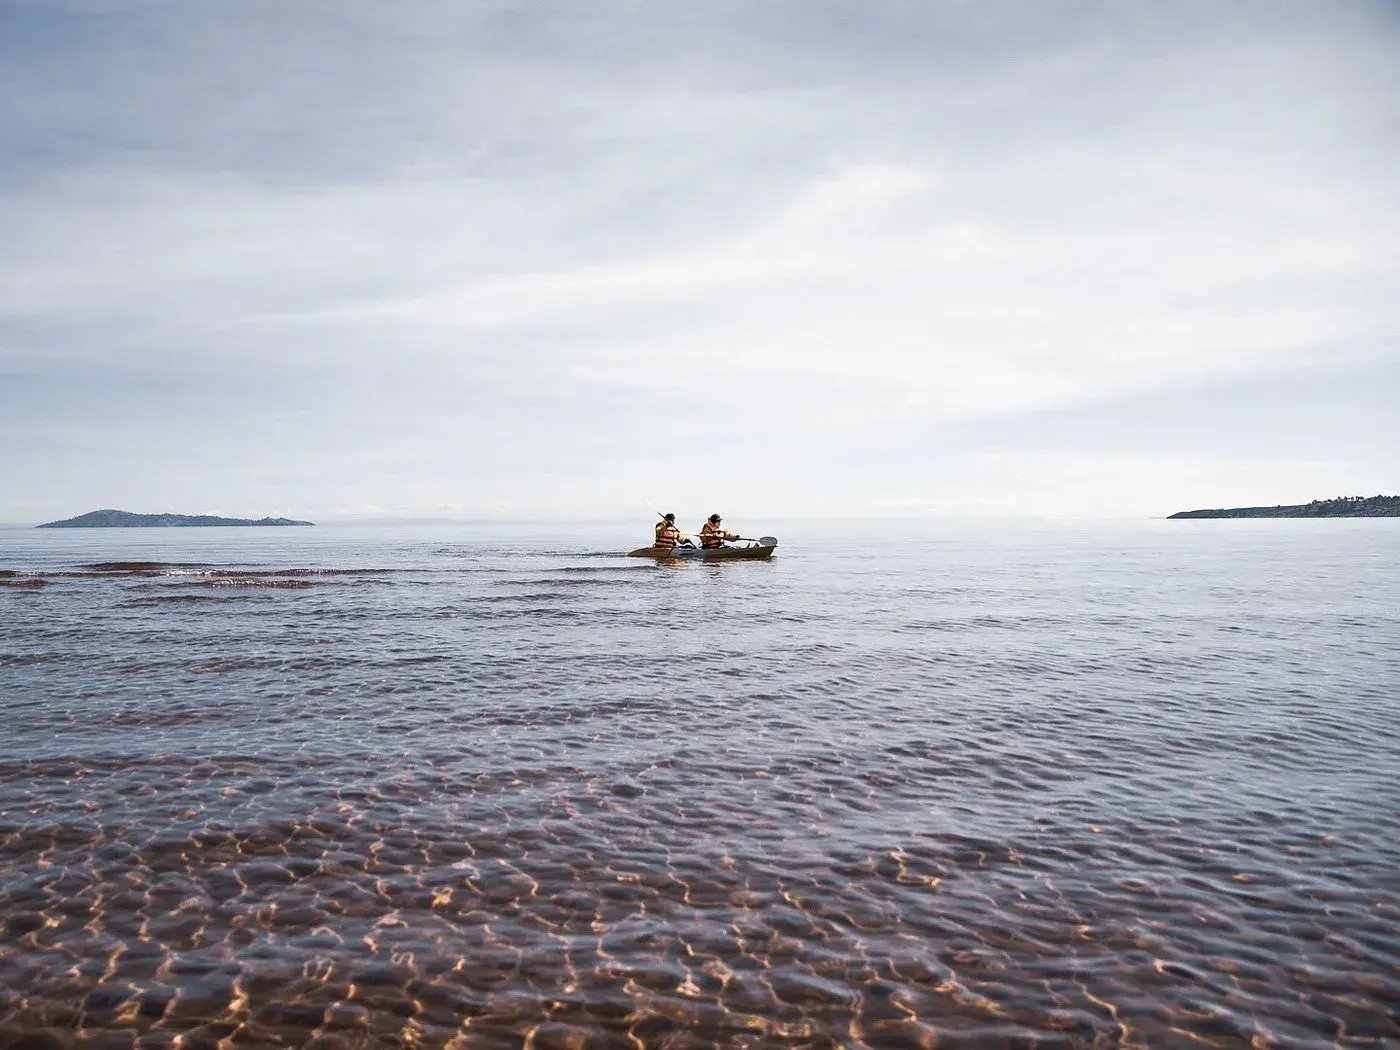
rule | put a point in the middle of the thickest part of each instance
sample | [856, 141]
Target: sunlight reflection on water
[1047, 784]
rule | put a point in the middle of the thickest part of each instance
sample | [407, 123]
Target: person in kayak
[667, 535]
[712, 535]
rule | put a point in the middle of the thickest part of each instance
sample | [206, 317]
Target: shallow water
[972, 785]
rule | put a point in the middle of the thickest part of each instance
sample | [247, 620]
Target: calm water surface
[964, 786]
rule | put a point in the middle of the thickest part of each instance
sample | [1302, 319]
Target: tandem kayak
[760, 549]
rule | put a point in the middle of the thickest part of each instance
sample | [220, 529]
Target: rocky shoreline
[1341, 507]
[124, 519]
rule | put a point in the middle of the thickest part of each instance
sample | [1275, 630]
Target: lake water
[953, 784]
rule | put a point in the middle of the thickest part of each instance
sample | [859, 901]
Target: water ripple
[1100, 789]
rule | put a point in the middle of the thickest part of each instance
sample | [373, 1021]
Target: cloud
[389, 238]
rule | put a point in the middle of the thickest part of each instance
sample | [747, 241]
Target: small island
[1341, 507]
[124, 519]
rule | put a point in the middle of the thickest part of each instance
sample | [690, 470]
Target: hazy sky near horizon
[339, 259]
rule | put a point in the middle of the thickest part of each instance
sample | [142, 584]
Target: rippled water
[965, 786]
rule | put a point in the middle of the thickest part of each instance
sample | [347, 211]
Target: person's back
[667, 535]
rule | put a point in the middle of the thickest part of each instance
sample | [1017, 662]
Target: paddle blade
[768, 541]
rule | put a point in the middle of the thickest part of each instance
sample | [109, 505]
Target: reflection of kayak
[758, 550]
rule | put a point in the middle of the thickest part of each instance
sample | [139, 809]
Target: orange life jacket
[667, 535]
[711, 535]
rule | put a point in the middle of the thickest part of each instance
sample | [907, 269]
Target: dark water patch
[180, 599]
[559, 584]
[513, 599]
[184, 766]
[284, 664]
[591, 573]
[137, 566]
[257, 573]
[33, 659]
[25, 584]
[86, 574]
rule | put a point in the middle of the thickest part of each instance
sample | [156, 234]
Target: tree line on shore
[1338, 507]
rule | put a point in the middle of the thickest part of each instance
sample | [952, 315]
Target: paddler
[667, 535]
[713, 535]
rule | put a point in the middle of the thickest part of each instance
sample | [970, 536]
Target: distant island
[124, 519]
[1341, 507]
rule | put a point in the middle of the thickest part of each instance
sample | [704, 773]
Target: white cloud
[456, 224]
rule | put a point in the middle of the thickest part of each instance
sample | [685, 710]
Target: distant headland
[124, 519]
[1341, 507]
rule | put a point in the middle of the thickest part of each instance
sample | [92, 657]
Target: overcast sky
[338, 259]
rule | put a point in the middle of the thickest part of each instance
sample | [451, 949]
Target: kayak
[757, 550]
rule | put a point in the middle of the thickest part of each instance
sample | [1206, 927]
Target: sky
[336, 259]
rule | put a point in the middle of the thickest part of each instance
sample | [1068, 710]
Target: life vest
[667, 535]
[711, 535]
